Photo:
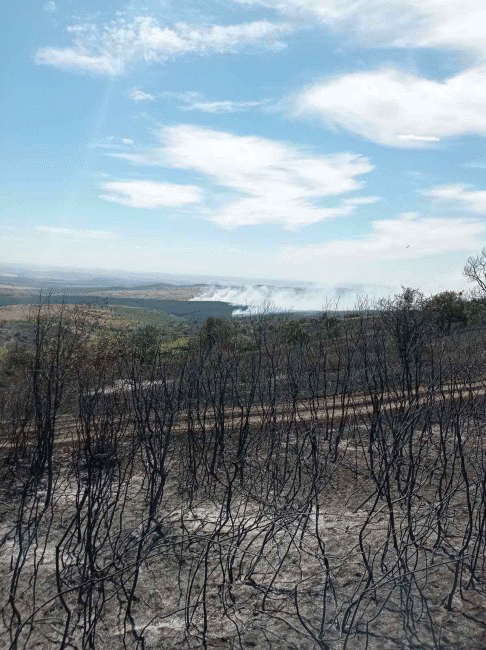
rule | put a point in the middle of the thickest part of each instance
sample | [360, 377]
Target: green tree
[146, 341]
[294, 332]
[215, 331]
[447, 308]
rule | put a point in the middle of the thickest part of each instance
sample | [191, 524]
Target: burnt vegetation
[265, 482]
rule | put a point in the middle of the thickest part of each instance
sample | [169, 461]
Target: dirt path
[334, 407]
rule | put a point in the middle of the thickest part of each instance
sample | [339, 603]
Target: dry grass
[103, 317]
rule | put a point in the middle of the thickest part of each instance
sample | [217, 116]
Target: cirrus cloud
[138, 95]
[75, 233]
[50, 7]
[407, 237]
[109, 48]
[150, 194]
[458, 193]
[410, 250]
[271, 181]
[194, 101]
[402, 23]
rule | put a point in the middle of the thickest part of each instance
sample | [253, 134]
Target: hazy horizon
[333, 143]
[253, 294]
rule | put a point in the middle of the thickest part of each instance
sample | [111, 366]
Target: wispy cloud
[77, 60]
[399, 109]
[150, 194]
[272, 182]
[410, 250]
[418, 138]
[458, 193]
[407, 237]
[107, 49]
[194, 101]
[111, 143]
[138, 95]
[50, 7]
[389, 106]
[476, 164]
[75, 233]
[404, 23]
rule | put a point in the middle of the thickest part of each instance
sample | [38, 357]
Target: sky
[339, 142]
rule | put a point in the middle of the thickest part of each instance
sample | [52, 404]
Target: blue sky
[339, 142]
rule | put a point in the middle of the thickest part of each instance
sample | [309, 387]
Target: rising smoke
[256, 298]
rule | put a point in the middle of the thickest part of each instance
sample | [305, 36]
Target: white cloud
[408, 237]
[150, 194]
[405, 23]
[473, 200]
[411, 250]
[50, 7]
[74, 59]
[194, 101]
[272, 182]
[75, 233]
[139, 95]
[111, 142]
[109, 48]
[388, 106]
[418, 138]
[400, 109]
[225, 106]
[282, 184]
[476, 164]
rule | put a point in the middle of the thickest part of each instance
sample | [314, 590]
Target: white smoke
[257, 298]
[264, 297]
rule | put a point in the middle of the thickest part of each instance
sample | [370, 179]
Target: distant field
[21, 312]
[148, 303]
[191, 311]
[153, 292]
[146, 316]
[6, 299]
